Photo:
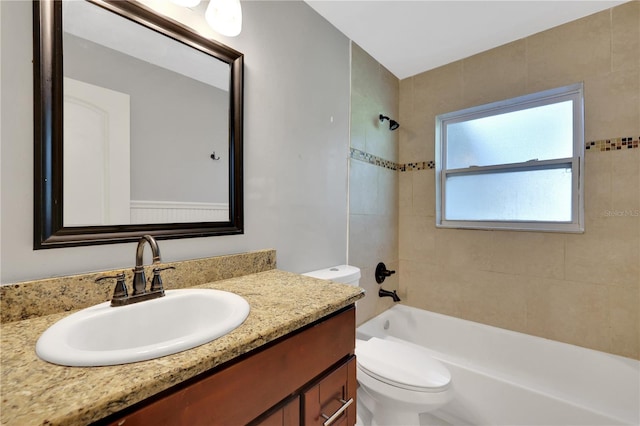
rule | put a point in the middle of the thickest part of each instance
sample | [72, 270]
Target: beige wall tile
[359, 121]
[388, 89]
[439, 90]
[625, 38]
[495, 299]
[364, 73]
[387, 192]
[625, 183]
[424, 192]
[405, 193]
[372, 239]
[612, 105]
[418, 237]
[625, 321]
[380, 141]
[430, 287]
[569, 53]
[571, 312]
[361, 239]
[532, 254]
[607, 253]
[414, 132]
[464, 249]
[366, 307]
[496, 74]
[598, 197]
[363, 188]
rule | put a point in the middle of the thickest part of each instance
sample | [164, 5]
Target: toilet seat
[401, 365]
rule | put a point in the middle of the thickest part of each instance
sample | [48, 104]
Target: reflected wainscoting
[177, 212]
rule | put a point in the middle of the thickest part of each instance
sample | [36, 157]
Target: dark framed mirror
[138, 127]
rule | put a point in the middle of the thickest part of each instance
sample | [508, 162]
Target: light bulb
[224, 16]
[186, 3]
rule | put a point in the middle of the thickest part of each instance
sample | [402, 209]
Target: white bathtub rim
[492, 374]
[588, 402]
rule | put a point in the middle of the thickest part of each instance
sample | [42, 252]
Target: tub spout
[386, 293]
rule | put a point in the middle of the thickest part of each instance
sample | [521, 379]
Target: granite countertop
[37, 392]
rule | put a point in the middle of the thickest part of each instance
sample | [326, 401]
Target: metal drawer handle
[345, 405]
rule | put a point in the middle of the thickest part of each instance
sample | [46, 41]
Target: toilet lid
[401, 365]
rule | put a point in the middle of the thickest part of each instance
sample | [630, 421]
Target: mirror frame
[49, 229]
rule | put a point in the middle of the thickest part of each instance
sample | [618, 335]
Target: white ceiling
[410, 37]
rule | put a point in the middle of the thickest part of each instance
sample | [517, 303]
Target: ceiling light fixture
[223, 16]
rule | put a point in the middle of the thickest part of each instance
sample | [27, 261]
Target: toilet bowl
[398, 381]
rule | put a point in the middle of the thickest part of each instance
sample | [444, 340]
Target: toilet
[398, 380]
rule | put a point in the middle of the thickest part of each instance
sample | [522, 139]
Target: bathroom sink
[104, 335]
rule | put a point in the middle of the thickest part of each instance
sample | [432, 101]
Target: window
[514, 164]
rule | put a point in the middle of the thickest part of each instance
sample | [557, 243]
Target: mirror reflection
[146, 124]
[138, 127]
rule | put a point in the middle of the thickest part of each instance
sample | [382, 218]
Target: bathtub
[501, 377]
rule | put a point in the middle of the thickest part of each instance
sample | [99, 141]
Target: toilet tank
[345, 274]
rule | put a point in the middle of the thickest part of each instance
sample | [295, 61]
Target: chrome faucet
[140, 293]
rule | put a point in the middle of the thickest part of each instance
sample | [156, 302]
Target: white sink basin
[105, 335]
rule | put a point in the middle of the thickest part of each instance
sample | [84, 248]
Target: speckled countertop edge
[37, 392]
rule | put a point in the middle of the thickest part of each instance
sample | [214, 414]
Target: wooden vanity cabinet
[289, 382]
[333, 398]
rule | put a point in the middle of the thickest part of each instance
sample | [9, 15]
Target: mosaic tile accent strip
[357, 154]
[615, 144]
[422, 165]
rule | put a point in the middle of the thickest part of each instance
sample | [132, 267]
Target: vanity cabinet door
[289, 415]
[332, 401]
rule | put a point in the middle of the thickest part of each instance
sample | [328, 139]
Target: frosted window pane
[540, 195]
[542, 133]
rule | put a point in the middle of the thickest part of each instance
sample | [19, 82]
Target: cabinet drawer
[332, 400]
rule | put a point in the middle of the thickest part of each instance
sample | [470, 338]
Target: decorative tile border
[359, 155]
[422, 165]
[614, 144]
[365, 157]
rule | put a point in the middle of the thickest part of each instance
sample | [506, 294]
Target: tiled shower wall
[373, 179]
[582, 289]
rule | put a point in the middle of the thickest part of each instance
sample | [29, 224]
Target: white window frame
[572, 92]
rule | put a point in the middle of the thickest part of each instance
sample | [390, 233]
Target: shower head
[393, 124]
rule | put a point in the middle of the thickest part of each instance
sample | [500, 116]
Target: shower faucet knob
[382, 272]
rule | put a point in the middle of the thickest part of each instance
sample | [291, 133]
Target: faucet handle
[382, 272]
[156, 283]
[120, 290]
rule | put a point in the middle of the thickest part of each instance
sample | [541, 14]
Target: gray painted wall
[167, 162]
[171, 140]
[296, 148]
